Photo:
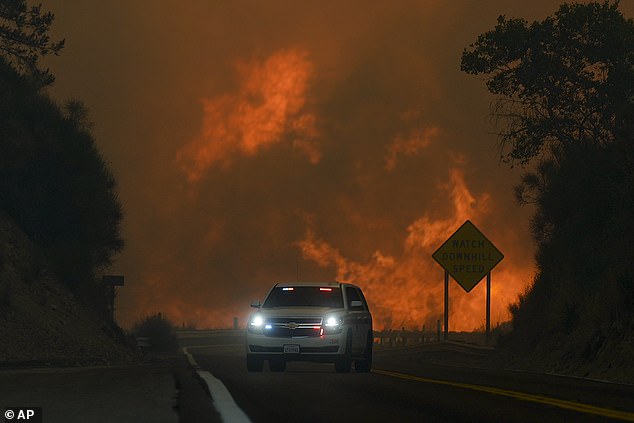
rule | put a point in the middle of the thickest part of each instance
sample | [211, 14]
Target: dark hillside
[41, 322]
[59, 212]
[579, 314]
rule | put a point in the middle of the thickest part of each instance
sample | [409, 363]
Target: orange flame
[404, 291]
[410, 145]
[268, 106]
[408, 291]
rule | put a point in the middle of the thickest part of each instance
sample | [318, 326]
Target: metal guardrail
[400, 338]
[384, 338]
[397, 338]
[201, 333]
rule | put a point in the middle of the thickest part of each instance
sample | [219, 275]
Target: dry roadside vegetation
[41, 322]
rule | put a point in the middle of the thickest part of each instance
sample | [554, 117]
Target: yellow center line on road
[569, 405]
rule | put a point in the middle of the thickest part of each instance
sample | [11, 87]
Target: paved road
[409, 386]
[140, 393]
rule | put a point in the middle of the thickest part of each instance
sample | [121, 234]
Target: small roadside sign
[468, 256]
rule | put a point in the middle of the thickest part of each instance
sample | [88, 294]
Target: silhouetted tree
[563, 81]
[24, 38]
[565, 91]
[54, 182]
[77, 112]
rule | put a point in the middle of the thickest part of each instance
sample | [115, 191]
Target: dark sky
[257, 141]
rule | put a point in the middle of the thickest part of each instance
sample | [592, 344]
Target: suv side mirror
[356, 305]
[255, 304]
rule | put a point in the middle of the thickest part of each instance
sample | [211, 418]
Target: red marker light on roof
[326, 289]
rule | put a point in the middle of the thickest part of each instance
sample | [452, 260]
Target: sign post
[109, 282]
[488, 322]
[446, 337]
[468, 256]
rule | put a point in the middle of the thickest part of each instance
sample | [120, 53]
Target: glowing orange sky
[255, 141]
[268, 106]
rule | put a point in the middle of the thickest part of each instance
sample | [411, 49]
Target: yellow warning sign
[468, 256]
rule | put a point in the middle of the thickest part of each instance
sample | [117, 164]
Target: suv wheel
[254, 364]
[364, 364]
[344, 364]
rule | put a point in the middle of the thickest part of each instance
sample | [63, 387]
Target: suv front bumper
[311, 348]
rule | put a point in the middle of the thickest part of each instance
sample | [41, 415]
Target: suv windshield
[304, 296]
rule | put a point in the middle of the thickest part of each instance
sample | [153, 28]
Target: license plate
[291, 349]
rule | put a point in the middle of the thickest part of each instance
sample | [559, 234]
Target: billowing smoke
[268, 107]
[257, 142]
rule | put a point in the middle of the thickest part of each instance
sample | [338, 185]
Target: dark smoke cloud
[377, 130]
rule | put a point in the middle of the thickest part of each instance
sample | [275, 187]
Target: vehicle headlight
[332, 325]
[256, 323]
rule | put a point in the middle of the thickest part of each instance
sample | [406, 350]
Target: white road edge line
[222, 399]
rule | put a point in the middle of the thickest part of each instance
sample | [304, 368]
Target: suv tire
[364, 364]
[344, 364]
[254, 364]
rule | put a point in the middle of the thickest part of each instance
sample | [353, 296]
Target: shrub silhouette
[159, 331]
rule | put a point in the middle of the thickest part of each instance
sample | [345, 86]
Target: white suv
[322, 322]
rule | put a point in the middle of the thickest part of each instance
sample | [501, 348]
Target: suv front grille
[285, 327]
